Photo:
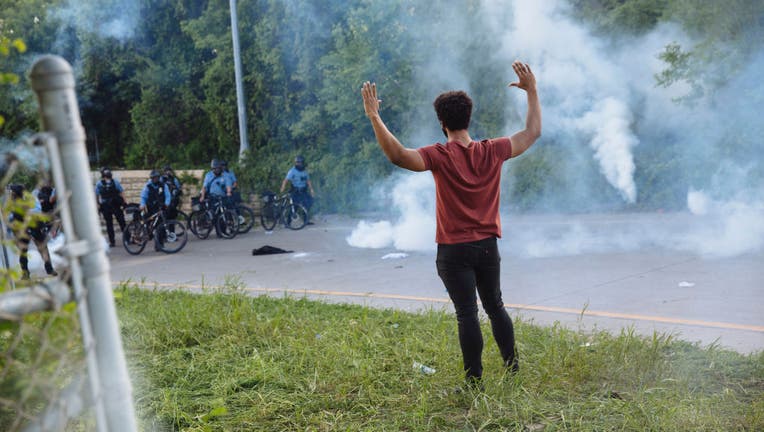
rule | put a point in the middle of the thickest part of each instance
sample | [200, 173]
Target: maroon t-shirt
[467, 188]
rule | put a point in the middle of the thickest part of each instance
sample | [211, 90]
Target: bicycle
[281, 208]
[213, 213]
[246, 218]
[244, 214]
[169, 235]
[183, 218]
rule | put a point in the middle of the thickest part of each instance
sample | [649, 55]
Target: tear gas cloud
[116, 19]
[593, 91]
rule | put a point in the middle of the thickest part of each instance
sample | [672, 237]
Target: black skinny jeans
[463, 267]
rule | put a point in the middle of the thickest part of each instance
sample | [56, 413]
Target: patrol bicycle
[283, 209]
[213, 213]
[169, 235]
[245, 216]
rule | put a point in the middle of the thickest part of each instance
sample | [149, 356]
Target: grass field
[225, 361]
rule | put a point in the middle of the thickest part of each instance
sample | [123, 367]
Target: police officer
[25, 223]
[229, 173]
[300, 180]
[111, 199]
[155, 197]
[175, 188]
[216, 184]
[46, 195]
[234, 182]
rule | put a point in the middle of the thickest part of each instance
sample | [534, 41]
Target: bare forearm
[533, 118]
[522, 140]
[390, 145]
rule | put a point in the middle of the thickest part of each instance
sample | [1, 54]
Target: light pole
[243, 144]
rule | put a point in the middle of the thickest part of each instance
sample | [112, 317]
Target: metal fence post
[53, 82]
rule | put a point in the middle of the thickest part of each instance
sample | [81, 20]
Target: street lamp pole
[243, 144]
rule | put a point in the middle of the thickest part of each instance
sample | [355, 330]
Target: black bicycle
[169, 235]
[282, 208]
[213, 213]
[245, 216]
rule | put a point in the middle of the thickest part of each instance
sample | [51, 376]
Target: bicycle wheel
[184, 218]
[295, 216]
[227, 224]
[246, 218]
[269, 216]
[201, 224]
[174, 235]
[135, 237]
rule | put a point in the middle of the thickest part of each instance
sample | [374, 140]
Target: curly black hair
[454, 109]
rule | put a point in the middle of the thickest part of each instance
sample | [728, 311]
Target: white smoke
[612, 141]
[116, 19]
[578, 72]
[593, 93]
[726, 228]
[372, 235]
[414, 229]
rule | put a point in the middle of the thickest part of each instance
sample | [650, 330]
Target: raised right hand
[527, 81]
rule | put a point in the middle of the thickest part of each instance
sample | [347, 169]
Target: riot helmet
[17, 190]
[217, 167]
[154, 176]
[106, 173]
[299, 163]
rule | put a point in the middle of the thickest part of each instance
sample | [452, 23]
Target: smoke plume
[600, 101]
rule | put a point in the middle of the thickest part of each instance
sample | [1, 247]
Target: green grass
[226, 361]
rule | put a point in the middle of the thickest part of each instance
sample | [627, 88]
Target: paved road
[696, 298]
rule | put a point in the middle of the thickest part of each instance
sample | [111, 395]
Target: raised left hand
[370, 101]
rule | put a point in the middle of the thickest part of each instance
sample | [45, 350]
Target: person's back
[467, 176]
[467, 183]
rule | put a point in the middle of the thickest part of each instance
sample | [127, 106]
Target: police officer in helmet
[216, 183]
[155, 197]
[302, 188]
[111, 199]
[175, 188]
[27, 223]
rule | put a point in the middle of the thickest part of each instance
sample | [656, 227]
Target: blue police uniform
[299, 192]
[154, 195]
[110, 204]
[217, 185]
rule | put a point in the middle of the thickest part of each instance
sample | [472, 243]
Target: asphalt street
[708, 300]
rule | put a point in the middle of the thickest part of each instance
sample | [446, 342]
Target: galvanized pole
[243, 143]
[53, 81]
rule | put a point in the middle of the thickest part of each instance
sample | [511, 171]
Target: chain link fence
[62, 366]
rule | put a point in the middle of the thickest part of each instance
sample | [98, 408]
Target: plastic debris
[423, 368]
[685, 284]
[395, 255]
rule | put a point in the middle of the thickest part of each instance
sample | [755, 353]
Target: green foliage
[229, 361]
[7, 46]
[166, 94]
[613, 17]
